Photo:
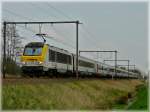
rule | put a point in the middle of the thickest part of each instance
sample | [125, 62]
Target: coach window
[65, 59]
[99, 67]
[51, 55]
[86, 64]
[111, 69]
[59, 57]
[69, 59]
[102, 68]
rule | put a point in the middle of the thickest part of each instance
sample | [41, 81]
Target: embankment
[65, 94]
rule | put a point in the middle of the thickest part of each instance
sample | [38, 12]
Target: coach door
[52, 57]
[67, 62]
[73, 63]
[97, 68]
[55, 62]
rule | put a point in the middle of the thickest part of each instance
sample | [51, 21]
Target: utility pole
[77, 47]
[106, 51]
[128, 68]
[4, 49]
[115, 63]
[40, 24]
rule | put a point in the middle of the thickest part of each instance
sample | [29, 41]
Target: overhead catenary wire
[43, 10]
[55, 40]
[60, 41]
[83, 26]
[21, 16]
[54, 9]
[28, 28]
[56, 30]
[65, 15]
[62, 13]
[55, 16]
[65, 42]
[59, 11]
[90, 35]
[50, 6]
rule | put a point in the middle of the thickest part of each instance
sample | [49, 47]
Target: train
[42, 58]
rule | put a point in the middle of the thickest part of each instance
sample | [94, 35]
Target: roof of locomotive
[35, 44]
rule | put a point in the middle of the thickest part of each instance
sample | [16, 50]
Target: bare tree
[13, 45]
[13, 42]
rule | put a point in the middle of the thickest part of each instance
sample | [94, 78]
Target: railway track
[11, 79]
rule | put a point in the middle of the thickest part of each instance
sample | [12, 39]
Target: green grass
[64, 94]
[141, 101]
[138, 102]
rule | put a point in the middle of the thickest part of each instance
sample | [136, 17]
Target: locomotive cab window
[33, 51]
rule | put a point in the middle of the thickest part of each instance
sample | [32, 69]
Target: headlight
[40, 62]
[23, 62]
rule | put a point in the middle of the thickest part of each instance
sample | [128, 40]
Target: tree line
[13, 49]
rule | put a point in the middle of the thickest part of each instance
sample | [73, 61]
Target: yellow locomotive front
[34, 57]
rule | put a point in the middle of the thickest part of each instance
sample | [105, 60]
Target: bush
[123, 100]
[12, 67]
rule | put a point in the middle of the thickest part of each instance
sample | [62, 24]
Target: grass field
[64, 94]
[141, 100]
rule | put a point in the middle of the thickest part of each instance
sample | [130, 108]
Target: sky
[121, 26]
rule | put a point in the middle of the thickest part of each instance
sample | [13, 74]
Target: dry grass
[64, 94]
